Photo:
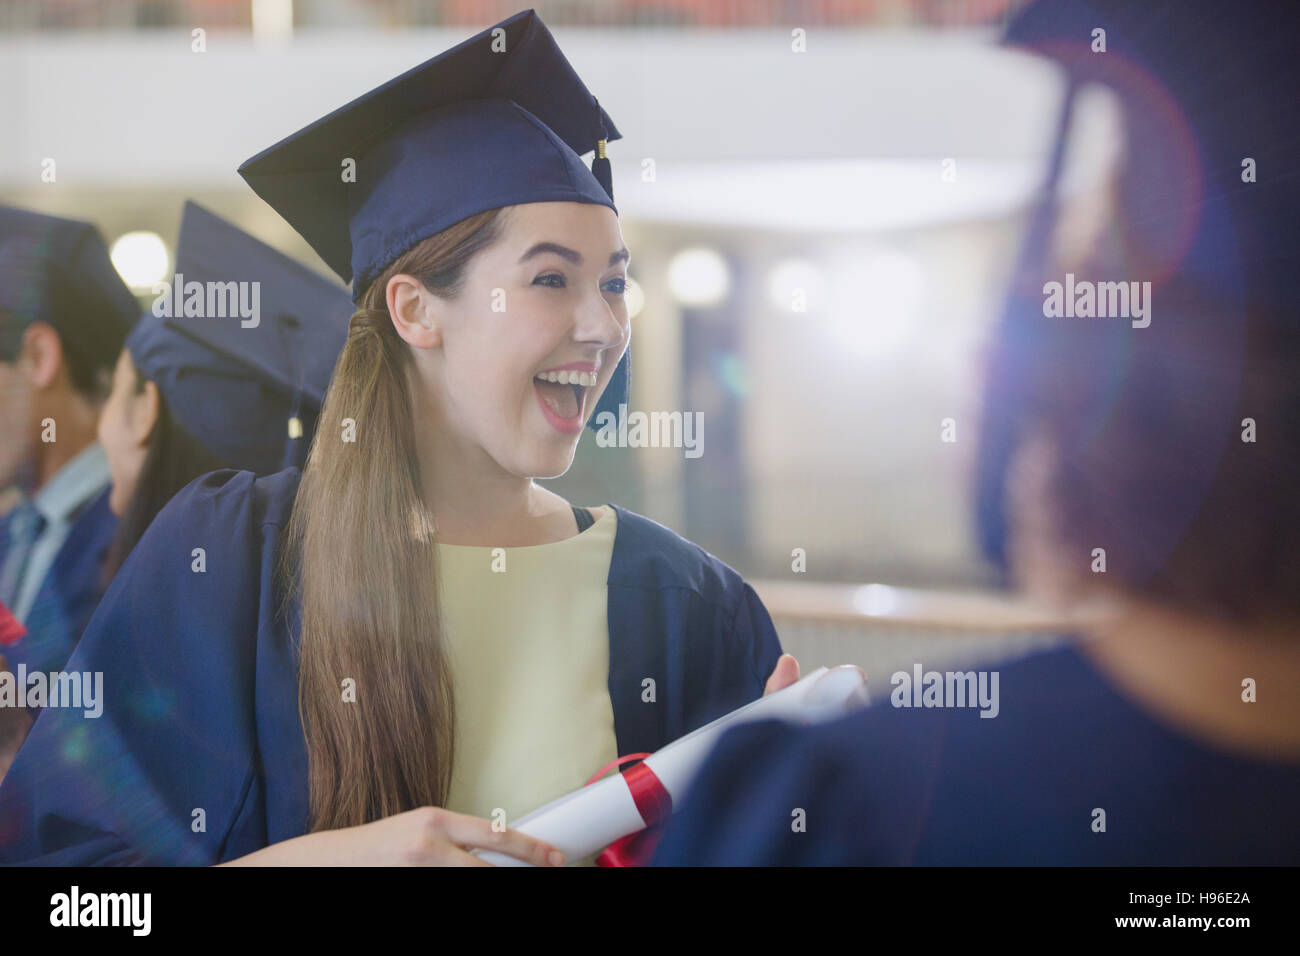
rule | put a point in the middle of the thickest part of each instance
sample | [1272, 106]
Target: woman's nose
[600, 322]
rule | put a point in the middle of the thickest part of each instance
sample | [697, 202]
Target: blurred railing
[884, 629]
[21, 15]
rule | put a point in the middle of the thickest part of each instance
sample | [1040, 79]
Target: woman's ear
[145, 410]
[412, 307]
[43, 350]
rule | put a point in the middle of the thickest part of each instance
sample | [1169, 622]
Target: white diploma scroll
[588, 820]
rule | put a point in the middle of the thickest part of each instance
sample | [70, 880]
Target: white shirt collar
[81, 478]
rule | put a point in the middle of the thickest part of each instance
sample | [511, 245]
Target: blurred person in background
[1142, 462]
[193, 394]
[64, 314]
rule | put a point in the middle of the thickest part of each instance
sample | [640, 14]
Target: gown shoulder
[160, 774]
[225, 493]
[648, 554]
[683, 625]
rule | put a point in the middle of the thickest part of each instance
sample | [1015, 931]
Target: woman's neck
[1190, 671]
[513, 519]
[475, 502]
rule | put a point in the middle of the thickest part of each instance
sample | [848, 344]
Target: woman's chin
[555, 463]
[116, 502]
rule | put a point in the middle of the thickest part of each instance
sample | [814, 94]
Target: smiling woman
[411, 637]
[555, 385]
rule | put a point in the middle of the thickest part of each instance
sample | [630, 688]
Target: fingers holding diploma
[784, 674]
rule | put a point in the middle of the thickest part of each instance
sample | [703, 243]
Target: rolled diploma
[588, 820]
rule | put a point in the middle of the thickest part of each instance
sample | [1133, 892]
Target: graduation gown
[199, 755]
[70, 590]
[944, 786]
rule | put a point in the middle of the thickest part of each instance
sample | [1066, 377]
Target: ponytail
[362, 565]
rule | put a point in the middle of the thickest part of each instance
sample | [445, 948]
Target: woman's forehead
[592, 231]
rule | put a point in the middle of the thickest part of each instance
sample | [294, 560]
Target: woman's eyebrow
[573, 255]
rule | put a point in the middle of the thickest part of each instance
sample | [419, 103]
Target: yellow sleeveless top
[528, 641]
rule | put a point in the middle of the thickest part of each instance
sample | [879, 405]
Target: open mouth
[564, 393]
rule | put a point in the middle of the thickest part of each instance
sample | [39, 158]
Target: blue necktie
[25, 524]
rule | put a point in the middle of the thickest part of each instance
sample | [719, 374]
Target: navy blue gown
[199, 755]
[945, 786]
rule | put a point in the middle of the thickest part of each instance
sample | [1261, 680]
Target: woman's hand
[426, 836]
[784, 674]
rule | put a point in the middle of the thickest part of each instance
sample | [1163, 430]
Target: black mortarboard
[58, 271]
[248, 387]
[500, 119]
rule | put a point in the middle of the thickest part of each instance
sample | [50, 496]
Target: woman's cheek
[124, 462]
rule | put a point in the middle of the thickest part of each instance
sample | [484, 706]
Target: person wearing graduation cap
[389, 657]
[64, 313]
[195, 392]
[1167, 731]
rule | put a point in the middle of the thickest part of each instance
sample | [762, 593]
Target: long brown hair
[363, 566]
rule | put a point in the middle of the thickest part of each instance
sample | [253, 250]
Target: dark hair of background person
[91, 372]
[173, 460]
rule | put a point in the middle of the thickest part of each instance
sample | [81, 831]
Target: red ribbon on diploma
[11, 629]
[653, 802]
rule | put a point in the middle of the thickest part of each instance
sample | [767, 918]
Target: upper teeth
[584, 379]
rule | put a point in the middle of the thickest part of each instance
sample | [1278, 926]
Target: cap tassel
[289, 327]
[600, 165]
[601, 170]
[293, 456]
[292, 449]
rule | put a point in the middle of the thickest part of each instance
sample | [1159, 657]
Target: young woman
[419, 645]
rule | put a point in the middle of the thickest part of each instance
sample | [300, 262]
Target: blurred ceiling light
[795, 285]
[140, 258]
[272, 20]
[698, 277]
[875, 600]
[876, 313]
[635, 296]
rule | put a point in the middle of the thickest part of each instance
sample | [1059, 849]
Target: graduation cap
[500, 119]
[58, 271]
[246, 344]
[1201, 90]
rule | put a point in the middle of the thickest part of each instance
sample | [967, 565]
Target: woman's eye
[555, 280]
